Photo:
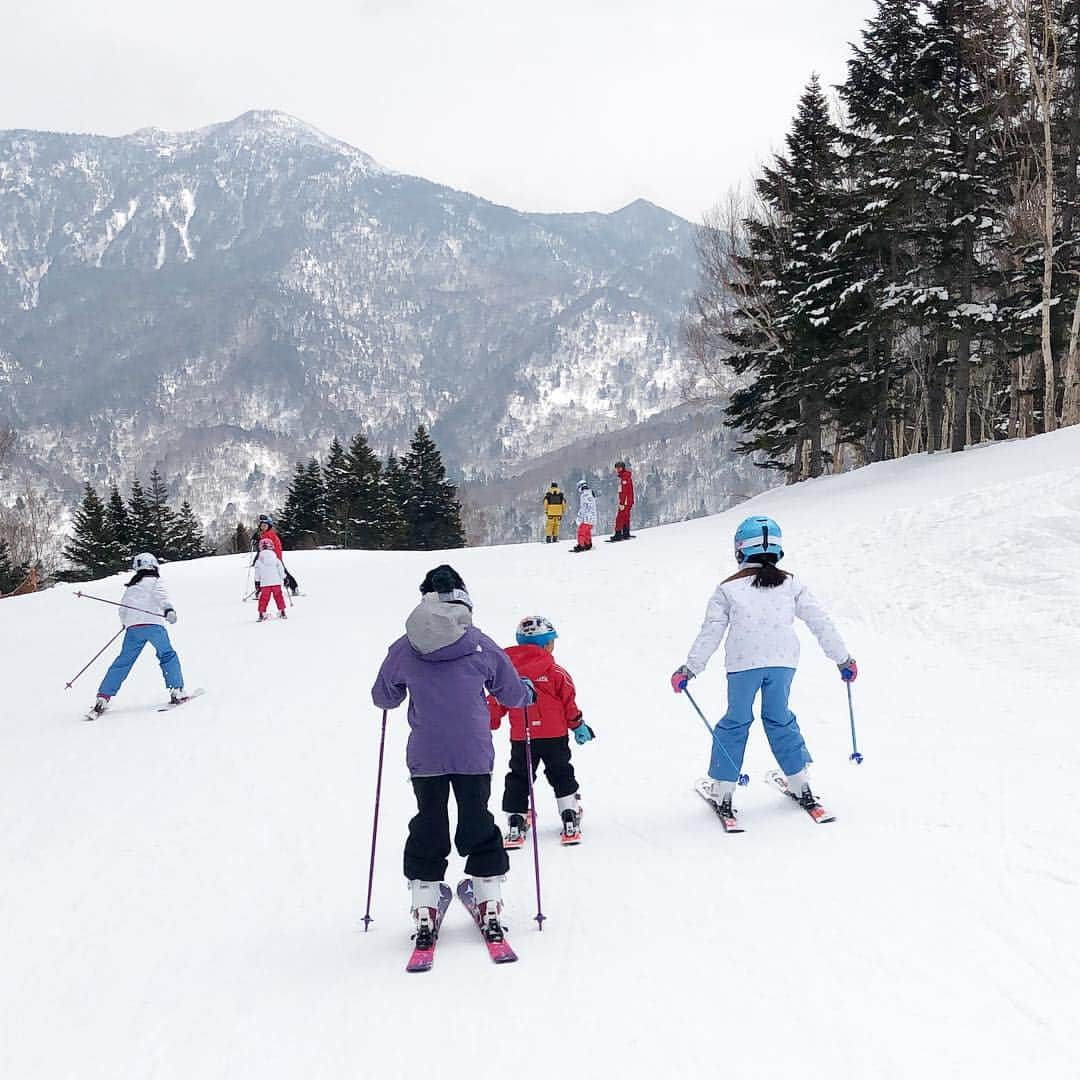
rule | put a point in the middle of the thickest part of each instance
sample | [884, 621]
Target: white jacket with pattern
[760, 629]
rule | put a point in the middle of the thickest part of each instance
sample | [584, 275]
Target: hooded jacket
[586, 514]
[445, 664]
[554, 503]
[555, 711]
[626, 488]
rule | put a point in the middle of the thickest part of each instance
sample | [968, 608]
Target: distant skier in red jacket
[626, 503]
[551, 718]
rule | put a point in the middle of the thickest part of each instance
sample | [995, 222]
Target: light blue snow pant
[135, 637]
[781, 727]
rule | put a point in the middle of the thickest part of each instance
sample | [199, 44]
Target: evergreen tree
[116, 517]
[302, 523]
[432, 512]
[140, 519]
[396, 485]
[162, 520]
[336, 485]
[792, 335]
[11, 577]
[90, 548]
[374, 521]
[187, 540]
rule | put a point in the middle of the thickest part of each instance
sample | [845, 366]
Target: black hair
[768, 575]
[140, 574]
[442, 579]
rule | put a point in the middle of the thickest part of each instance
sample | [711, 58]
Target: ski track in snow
[182, 892]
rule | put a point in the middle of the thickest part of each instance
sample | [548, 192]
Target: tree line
[351, 499]
[906, 275]
[105, 535]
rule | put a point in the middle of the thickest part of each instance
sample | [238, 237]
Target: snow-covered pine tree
[140, 519]
[432, 511]
[882, 147]
[162, 520]
[395, 485]
[373, 520]
[791, 321]
[11, 577]
[187, 540]
[336, 484]
[90, 549]
[963, 57]
[301, 523]
[116, 516]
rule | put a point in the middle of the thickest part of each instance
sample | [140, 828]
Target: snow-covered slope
[181, 892]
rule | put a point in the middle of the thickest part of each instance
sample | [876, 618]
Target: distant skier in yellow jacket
[554, 508]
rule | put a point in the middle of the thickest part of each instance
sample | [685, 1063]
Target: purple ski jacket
[445, 664]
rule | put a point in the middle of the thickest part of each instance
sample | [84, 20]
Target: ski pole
[68, 686]
[375, 824]
[102, 600]
[540, 916]
[248, 591]
[855, 755]
[744, 778]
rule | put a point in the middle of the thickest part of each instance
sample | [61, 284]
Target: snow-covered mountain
[216, 301]
[182, 893]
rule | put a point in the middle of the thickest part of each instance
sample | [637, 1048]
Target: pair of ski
[167, 707]
[817, 813]
[499, 950]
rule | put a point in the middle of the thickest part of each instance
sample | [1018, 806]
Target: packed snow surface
[181, 892]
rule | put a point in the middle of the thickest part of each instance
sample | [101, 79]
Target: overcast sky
[539, 104]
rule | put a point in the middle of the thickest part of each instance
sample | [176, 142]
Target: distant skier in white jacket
[145, 611]
[586, 518]
[270, 574]
[756, 608]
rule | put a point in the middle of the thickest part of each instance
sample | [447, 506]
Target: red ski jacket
[273, 537]
[626, 488]
[555, 711]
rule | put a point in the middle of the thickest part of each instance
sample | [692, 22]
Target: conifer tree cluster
[353, 500]
[907, 276]
[11, 576]
[106, 535]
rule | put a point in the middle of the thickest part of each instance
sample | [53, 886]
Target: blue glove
[528, 684]
[170, 616]
[849, 670]
[583, 733]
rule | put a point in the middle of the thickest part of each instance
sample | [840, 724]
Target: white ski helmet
[144, 561]
[582, 485]
[535, 630]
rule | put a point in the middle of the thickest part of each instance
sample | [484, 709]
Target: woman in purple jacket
[445, 664]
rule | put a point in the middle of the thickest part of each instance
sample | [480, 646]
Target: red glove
[849, 670]
[680, 678]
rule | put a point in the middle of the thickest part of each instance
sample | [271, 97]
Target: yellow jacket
[554, 503]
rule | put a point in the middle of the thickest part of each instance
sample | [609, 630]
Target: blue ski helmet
[758, 536]
[266, 519]
[535, 630]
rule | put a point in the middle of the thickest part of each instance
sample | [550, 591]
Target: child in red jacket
[551, 718]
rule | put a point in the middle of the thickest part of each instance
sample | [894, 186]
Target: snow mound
[182, 891]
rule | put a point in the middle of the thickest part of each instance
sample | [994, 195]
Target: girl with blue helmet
[756, 609]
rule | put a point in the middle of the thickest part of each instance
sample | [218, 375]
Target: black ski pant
[555, 754]
[477, 836]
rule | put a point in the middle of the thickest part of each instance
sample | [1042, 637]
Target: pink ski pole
[375, 825]
[68, 686]
[540, 916]
[102, 600]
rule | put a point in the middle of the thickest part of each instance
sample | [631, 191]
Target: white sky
[540, 104]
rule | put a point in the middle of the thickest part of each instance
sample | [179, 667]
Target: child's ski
[498, 948]
[704, 789]
[183, 701]
[423, 959]
[817, 812]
